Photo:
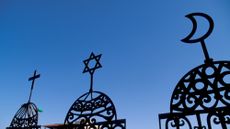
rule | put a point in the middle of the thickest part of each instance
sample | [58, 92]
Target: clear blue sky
[143, 57]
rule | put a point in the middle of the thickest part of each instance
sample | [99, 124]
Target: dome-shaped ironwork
[90, 108]
[201, 99]
[94, 109]
[26, 116]
[205, 87]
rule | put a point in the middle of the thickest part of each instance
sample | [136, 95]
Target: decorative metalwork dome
[203, 88]
[90, 108]
[94, 109]
[27, 116]
[201, 99]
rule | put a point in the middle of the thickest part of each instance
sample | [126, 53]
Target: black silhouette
[202, 38]
[27, 116]
[92, 70]
[201, 99]
[92, 110]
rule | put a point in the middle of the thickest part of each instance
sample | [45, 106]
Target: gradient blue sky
[143, 58]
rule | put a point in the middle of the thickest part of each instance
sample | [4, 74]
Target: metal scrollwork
[203, 88]
[87, 110]
[176, 121]
[202, 97]
[98, 112]
[26, 117]
[220, 117]
[94, 109]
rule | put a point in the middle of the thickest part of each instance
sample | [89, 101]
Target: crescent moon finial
[201, 39]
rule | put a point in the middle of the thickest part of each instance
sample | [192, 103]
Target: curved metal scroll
[220, 117]
[177, 121]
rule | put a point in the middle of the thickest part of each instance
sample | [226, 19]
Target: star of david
[97, 65]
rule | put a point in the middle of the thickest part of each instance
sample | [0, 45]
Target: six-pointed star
[96, 66]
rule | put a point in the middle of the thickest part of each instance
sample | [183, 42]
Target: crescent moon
[194, 22]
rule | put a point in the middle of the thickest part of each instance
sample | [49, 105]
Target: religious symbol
[94, 109]
[203, 37]
[196, 102]
[91, 70]
[35, 76]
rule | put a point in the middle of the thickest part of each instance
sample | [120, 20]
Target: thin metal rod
[205, 50]
[91, 83]
[199, 121]
[30, 94]
[160, 123]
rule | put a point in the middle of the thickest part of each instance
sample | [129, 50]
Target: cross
[33, 78]
[91, 70]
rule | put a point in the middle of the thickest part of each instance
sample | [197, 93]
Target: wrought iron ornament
[27, 116]
[92, 59]
[94, 109]
[201, 39]
[35, 76]
[201, 99]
